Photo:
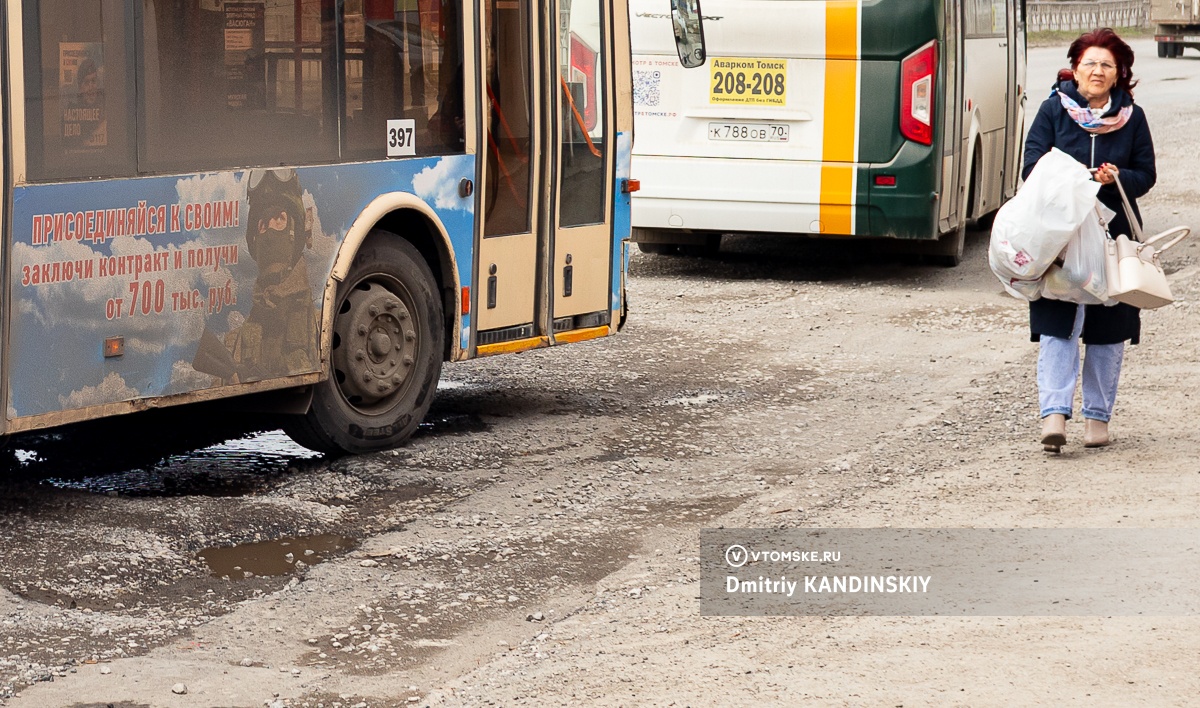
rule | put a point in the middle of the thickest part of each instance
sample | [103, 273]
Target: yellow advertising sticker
[748, 81]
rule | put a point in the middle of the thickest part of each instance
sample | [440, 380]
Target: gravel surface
[536, 543]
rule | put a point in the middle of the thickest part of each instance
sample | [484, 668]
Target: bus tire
[948, 251]
[386, 354]
[1162, 50]
[708, 245]
[658, 249]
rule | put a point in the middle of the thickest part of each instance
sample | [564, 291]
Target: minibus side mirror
[688, 26]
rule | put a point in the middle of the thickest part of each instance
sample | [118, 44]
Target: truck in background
[1176, 25]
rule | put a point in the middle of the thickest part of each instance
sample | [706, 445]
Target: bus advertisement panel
[211, 279]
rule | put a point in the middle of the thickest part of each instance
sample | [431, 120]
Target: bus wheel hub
[378, 345]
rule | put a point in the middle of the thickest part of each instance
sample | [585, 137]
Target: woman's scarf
[1084, 117]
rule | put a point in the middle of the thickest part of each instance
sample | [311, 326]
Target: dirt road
[538, 544]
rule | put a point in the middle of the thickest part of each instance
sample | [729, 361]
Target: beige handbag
[1135, 276]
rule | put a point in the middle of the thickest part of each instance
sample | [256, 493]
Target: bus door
[581, 213]
[3, 248]
[954, 157]
[545, 256]
[508, 277]
[1016, 96]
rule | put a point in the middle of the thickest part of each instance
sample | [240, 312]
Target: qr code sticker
[645, 87]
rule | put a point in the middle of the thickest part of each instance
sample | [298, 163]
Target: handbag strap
[1134, 226]
[1183, 231]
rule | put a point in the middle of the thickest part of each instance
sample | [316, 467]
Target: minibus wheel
[658, 249]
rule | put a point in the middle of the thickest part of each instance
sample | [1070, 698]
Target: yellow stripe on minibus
[841, 116]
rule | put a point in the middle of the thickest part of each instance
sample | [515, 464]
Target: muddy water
[233, 468]
[450, 424]
[281, 557]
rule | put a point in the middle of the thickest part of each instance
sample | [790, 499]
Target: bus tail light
[885, 180]
[918, 77]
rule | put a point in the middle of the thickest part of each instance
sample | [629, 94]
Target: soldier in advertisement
[278, 336]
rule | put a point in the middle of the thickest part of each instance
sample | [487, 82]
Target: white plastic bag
[1081, 278]
[1034, 227]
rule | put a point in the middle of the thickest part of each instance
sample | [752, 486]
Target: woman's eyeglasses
[1089, 64]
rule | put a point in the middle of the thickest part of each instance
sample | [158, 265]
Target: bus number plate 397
[747, 81]
[401, 138]
[749, 132]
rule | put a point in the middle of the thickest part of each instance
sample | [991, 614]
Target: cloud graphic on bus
[184, 377]
[112, 388]
[218, 187]
[438, 184]
[59, 304]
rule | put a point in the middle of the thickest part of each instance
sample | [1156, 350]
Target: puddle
[699, 399]
[446, 385]
[232, 468]
[451, 424]
[279, 557]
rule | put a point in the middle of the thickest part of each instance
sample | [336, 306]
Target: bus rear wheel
[386, 354]
[948, 251]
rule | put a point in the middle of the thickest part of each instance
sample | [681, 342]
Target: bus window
[583, 111]
[78, 111]
[985, 18]
[999, 17]
[403, 62]
[237, 83]
[509, 110]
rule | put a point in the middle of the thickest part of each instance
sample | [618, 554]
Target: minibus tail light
[918, 79]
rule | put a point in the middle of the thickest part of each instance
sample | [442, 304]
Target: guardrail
[1087, 15]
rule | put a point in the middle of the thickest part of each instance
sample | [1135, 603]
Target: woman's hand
[1106, 173]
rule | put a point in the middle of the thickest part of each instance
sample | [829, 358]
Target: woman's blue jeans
[1058, 370]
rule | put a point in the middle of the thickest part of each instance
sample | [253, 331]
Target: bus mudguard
[377, 212]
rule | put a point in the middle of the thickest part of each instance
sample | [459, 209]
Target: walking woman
[1091, 116]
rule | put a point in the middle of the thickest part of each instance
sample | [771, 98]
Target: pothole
[233, 468]
[452, 424]
[280, 557]
[701, 397]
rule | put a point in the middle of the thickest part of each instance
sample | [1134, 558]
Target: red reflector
[885, 180]
[466, 301]
[630, 186]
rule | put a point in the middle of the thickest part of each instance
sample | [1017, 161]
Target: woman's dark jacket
[1131, 149]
